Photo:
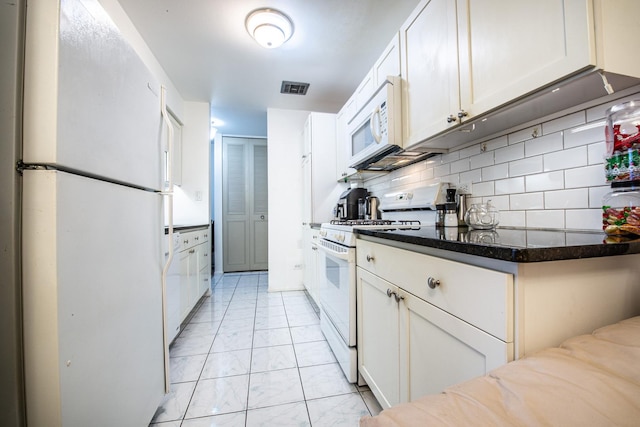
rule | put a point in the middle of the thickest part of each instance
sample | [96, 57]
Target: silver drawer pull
[433, 282]
[394, 294]
[370, 258]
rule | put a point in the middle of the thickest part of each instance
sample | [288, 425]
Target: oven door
[337, 266]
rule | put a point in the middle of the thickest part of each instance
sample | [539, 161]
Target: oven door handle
[327, 250]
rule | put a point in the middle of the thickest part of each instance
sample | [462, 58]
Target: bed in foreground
[590, 380]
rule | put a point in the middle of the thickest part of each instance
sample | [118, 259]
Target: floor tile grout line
[184, 416]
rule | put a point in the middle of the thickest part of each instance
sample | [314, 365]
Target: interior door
[244, 200]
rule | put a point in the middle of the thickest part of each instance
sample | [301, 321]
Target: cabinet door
[389, 62]
[378, 337]
[429, 67]
[508, 49]
[204, 267]
[342, 143]
[185, 299]
[364, 90]
[439, 350]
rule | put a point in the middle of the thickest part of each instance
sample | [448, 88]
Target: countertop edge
[511, 254]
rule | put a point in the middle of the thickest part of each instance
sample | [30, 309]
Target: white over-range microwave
[376, 130]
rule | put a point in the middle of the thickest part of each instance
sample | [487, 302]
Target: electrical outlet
[464, 188]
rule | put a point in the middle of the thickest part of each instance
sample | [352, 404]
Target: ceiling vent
[295, 88]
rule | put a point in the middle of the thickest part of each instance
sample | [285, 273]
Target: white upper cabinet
[320, 189]
[389, 62]
[364, 90]
[342, 140]
[429, 63]
[509, 49]
[463, 59]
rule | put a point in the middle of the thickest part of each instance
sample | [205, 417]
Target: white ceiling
[206, 51]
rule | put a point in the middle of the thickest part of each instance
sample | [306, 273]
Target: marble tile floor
[249, 357]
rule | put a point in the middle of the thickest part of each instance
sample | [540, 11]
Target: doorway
[244, 204]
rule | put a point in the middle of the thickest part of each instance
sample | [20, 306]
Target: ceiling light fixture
[269, 27]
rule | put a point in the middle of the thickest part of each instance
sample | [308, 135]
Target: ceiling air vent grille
[295, 88]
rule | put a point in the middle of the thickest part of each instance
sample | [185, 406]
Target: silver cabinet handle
[262, 217]
[370, 258]
[432, 283]
[394, 294]
[451, 118]
[462, 114]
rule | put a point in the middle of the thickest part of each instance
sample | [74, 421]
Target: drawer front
[481, 297]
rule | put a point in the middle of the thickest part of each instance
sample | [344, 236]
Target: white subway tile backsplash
[524, 134]
[584, 219]
[483, 189]
[525, 166]
[499, 202]
[527, 201]
[582, 135]
[545, 219]
[587, 176]
[495, 172]
[470, 151]
[596, 153]
[544, 181]
[510, 186]
[512, 219]
[565, 159]
[496, 143]
[482, 160]
[460, 165]
[449, 157]
[596, 194]
[564, 122]
[427, 174]
[544, 144]
[442, 170]
[567, 199]
[510, 153]
[471, 176]
[548, 175]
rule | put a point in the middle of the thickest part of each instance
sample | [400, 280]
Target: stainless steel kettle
[373, 205]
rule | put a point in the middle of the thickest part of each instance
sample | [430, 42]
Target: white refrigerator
[90, 221]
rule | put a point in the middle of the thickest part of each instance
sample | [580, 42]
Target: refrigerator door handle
[169, 193]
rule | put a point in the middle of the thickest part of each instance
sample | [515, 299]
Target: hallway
[252, 358]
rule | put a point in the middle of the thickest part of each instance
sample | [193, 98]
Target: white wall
[191, 200]
[554, 180]
[284, 148]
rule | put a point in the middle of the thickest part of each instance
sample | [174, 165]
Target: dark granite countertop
[513, 244]
[184, 228]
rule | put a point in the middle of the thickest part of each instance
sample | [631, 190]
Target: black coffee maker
[348, 206]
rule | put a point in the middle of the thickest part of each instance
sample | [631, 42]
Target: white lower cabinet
[310, 277]
[408, 344]
[378, 337]
[195, 269]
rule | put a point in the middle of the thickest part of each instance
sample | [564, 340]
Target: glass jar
[482, 216]
[622, 136]
[621, 209]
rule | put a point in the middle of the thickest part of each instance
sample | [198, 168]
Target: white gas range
[337, 264]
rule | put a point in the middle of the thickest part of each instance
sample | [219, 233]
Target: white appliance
[337, 264]
[89, 217]
[377, 128]
[405, 208]
[375, 132]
